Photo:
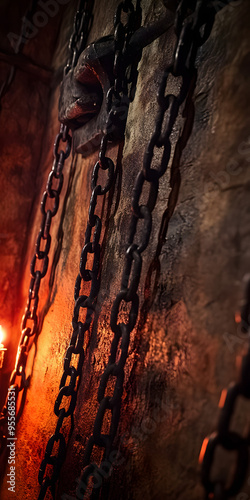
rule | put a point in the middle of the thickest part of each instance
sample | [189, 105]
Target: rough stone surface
[183, 349]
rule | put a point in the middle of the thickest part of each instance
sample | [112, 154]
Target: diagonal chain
[70, 380]
[38, 269]
[193, 24]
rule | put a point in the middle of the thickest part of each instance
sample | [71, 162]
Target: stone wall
[182, 351]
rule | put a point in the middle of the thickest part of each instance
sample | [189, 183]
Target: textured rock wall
[183, 349]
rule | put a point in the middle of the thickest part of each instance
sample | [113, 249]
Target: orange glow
[2, 334]
[203, 449]
[237, 317]
[222, 398]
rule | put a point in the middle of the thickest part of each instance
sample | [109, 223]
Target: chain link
[82, 26]
[193, 24]
[192, 19]
[38, 270]
[85, 304]
[224, 437]
[40, 260]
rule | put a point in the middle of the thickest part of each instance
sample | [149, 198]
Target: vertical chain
[78, 40]
[38, 269]
[193, 24]
[85, 304]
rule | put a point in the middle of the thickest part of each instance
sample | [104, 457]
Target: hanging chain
[5, 87]
[69, 384]
[82, 26]
[224, 437]
[193, 24]
[39, 266]
[38, 269]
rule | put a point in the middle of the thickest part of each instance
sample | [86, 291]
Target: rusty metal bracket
[82, 104]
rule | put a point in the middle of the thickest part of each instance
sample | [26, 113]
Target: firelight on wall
[2, 348]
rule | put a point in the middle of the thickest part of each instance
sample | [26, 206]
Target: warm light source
[2, 348]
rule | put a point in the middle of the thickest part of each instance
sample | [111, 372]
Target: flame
[2, 334]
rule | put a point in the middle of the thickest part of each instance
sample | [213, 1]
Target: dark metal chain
[38, 269]
[82, 26]
[193, 24]
[119, 97]
[224, 436]
[40, 259]
[92, 247]
[18, 49]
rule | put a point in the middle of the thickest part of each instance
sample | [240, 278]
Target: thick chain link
[224, 436]
[193, 24]
[38, 268]
[70, 380]
[78, 40]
